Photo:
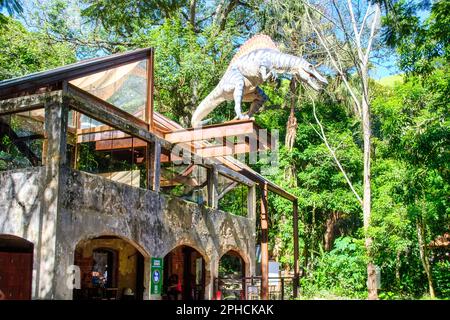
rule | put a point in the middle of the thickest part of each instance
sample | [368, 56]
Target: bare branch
[367, 15]
[336, 63]
[372, 33]
[325, 140]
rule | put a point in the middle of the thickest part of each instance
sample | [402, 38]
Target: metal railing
[249, 288]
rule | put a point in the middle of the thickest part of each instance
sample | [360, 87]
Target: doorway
[16, 267]
[184, 274]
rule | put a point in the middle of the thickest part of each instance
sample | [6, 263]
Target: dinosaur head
[307, 73]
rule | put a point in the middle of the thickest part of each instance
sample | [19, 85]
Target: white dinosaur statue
[257, 60]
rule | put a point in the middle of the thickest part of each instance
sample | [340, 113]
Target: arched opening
[16, 267]
[184, 274]
[111, 268]
[231, 281]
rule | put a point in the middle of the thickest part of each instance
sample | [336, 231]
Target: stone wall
[90, 206]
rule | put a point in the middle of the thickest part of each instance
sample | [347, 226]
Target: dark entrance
[111, 268]
[184, 274]
[16, 267]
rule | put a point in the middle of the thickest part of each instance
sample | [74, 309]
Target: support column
[251, 203]
[213, 178]
[50, 274]
[154, 165]
[212, 273]
[296, 249]
[264, 244]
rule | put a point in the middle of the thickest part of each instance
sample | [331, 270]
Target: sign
[156, 276]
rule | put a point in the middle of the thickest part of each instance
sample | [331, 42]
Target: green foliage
[12, 7]
[342, 271]
[441, 275]
[410, 125]
[230, 266]
[23, 52]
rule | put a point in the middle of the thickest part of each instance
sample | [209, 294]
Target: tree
[348, 32]
[423, 48]
[12, 7]
[23, 52]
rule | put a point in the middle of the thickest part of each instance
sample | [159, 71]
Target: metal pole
[296, 249]
[264, 244]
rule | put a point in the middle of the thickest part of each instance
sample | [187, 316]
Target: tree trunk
[192, 8]
[365, 109]
[291, 127]
[330, 234]
[397, 268]
[291, 132]
[424, 254]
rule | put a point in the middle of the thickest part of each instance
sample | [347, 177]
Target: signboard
[156, 276]
[274, 272]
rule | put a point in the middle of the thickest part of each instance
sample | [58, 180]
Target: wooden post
[154, 167]
[149, 107]
[296, 249]
[213, 178]
[251, 203]
[264, 244]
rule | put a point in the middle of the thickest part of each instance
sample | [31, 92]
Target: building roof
[54, 79]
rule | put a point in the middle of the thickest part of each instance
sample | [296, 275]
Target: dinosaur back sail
[259, 41]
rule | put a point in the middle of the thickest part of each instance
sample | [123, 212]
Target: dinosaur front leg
[266, 74]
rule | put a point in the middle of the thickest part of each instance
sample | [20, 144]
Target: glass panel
[100, 149]
[233, 196]
[124, 87]
[186, 181]
[22, 139]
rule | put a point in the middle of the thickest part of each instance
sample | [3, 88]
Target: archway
[184, 274]
[231, 281]
[16, 267]
[110, 268]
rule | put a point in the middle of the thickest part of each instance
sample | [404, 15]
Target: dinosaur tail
[211, 101]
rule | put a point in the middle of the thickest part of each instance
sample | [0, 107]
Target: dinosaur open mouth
[314, 82]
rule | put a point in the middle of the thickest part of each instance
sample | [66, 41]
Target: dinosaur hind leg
[235, 84]
[258, 97]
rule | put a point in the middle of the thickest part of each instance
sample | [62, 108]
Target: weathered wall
[21, 210]
[92, 206]
[20, 202]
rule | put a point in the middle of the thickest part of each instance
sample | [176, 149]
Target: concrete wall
[21, 210]
[90, 206]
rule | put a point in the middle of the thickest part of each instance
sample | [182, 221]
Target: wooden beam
[229, 129]
[256, 177]
[31, 102]
[116, 144]
[223, 150]
[150, 88]
[233, 175]
[5, 129]
[296, 247]
[264, 243]
[227, 189]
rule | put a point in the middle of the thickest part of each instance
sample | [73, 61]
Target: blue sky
[383, 67]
